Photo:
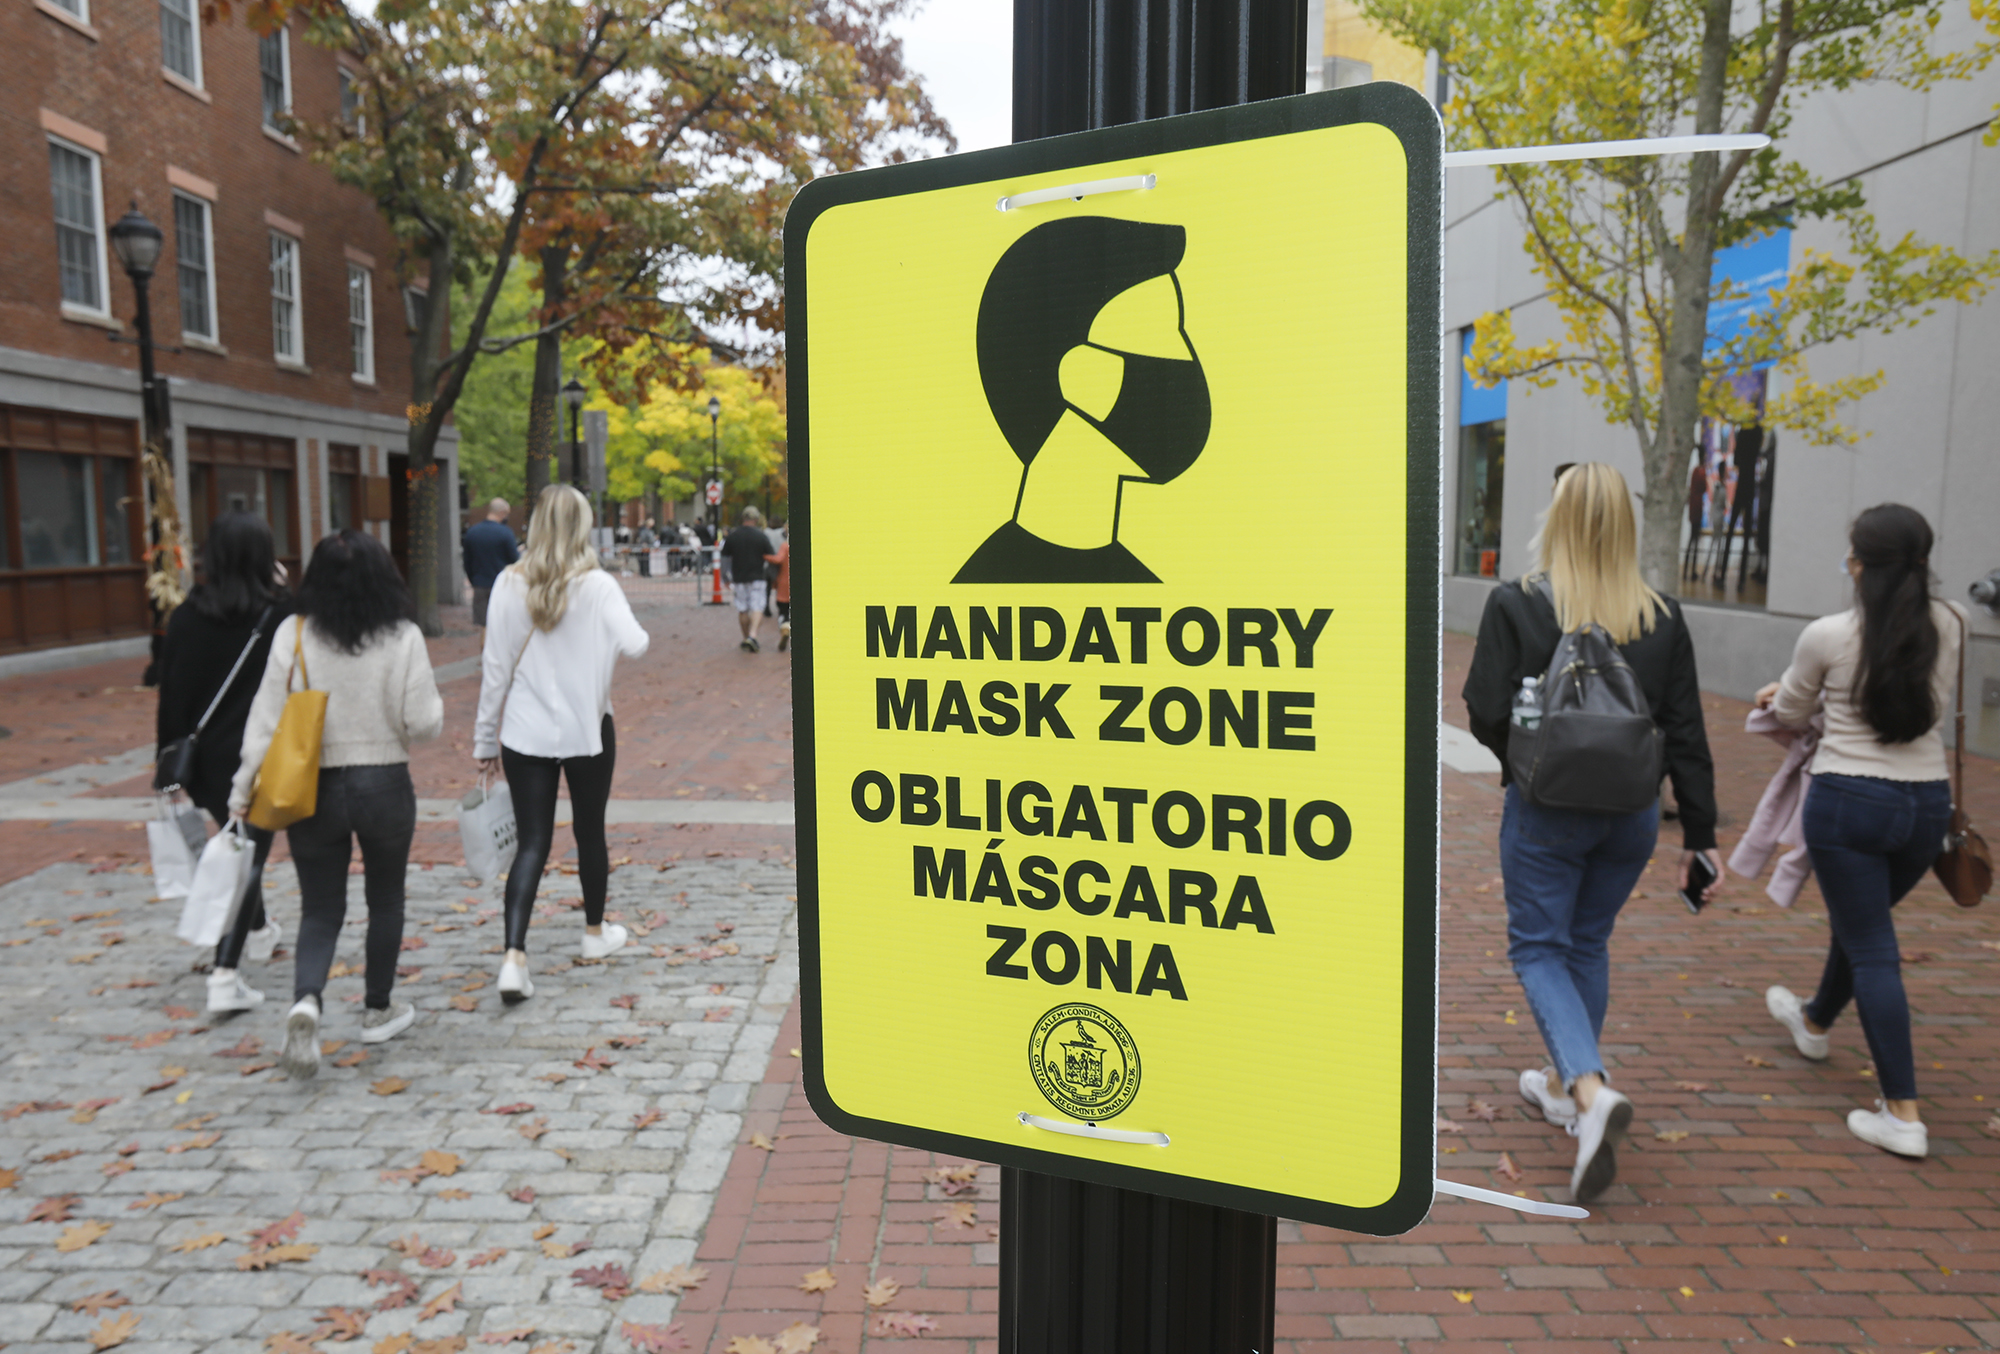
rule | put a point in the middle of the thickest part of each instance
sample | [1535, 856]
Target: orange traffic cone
[716, 600]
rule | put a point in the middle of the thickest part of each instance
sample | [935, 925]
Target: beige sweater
[378, 701]
[1823, 670]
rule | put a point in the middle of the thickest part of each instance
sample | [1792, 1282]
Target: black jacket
[196, 656]
[1517, 637]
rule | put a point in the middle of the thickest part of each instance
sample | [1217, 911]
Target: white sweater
[555, 685]
[378, 701]
[1822, 674]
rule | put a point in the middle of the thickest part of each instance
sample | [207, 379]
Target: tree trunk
[542, 400]
[425, 420]
[1687, 334]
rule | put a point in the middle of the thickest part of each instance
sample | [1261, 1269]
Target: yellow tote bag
[288, 783]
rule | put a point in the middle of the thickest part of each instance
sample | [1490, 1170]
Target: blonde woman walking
[1567, 872]
[555, 628]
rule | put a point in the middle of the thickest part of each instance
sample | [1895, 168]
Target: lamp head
[573, 393]
[137, 242]
[714, 407]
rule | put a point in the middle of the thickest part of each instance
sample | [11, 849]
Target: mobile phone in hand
[1700, 875]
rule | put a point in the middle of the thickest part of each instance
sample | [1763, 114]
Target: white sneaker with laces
[379, 1027]
[263, 942]
[227, 992]
[612, 941]
[1598, 1131]
[300, 1060]
[1882, 1129]
[1790, 1012]
[1559, 1110]
[514, 984]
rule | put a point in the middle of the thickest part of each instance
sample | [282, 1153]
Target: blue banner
[1756, 267]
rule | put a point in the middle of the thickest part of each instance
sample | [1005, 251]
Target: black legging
[249, 917]
[532, 781]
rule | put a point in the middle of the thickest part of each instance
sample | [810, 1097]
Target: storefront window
[58, 529]
[277, 502]
[1482, 472]
[1726, 546]
[341, 493]
[114, 509]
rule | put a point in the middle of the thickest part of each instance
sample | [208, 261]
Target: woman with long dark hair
[555, 628]
[1876, 814]
[238, 602]
[1568, 873]
[355, 637]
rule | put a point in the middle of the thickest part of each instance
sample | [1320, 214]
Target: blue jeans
[1567, 876]
[1871, 841]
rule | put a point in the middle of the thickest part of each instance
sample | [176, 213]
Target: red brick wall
[114, 85]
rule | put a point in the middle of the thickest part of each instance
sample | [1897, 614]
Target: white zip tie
[1135, 183]
[1092, 1130]
[1494, 1196]
[1604, 150]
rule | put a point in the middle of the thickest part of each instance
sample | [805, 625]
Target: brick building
[277, 309]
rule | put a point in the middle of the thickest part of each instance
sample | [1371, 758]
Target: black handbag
[174, 767]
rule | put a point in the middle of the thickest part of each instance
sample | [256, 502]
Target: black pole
[714, 473]
[1084, 1268]
[575, 443]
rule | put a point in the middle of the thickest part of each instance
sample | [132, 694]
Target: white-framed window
[274, 66]
[361, 320]
[80, 8]
[76, 178]
[180, 40]
[287, 334]
[194, 256]
[351, 116]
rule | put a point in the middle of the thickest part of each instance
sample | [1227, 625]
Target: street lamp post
[573, 394]
[137, 242]
[714, 465]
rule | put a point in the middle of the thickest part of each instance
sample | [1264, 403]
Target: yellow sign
[1116, 541]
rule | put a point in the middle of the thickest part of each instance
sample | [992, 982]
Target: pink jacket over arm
[1780, 815]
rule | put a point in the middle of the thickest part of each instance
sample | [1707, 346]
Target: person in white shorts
[747, 550]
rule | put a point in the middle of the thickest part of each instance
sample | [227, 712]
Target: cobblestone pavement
[491, 1173]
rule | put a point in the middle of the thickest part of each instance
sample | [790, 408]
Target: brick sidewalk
[1745, 1217]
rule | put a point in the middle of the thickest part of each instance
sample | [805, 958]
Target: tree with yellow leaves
[1627, 246]
[661, 443]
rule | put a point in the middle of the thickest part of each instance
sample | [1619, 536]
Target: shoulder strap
[1958, 735]
[234, 668]
[299, 654]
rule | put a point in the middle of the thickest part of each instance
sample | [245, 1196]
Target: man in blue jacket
[487, 547]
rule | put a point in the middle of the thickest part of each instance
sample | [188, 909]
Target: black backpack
[1597, 749]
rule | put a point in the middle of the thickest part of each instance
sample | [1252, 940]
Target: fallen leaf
[1445, 1125]
[676, 1280]
[53, 1210]
[407, 1175]
[1670, 1134]
[763, 1140]
[329, 1047]
[339, 1323]
[1506, 1169]
[83, 1234]
[455, 1195]
[1696, 1087]
[905, 1323]
[87, 1111]
[532, 1129]
[1686, 1292]
[749, 1344]
[63, 1155]
[518, 1107]
[440, 1163]
[389, 1086]
[523, 1195]
[249, 1046]
[626, 1041]
[558, 1347]
[593, 1061]
[882, 1292]
[608, 1279]
[288, 1342]
[276, 1255]
[955, 1179]
[506, 1337]
[557, 1250]
[195, 1144]
[652, 1339]
[354, 1059]
[960, 1215]
[437, 1257]
[1991, 1128]
[114, 1331]
[9, 1177]
[278, 1233]
[1462, 1297]
[797, 1338]
[485, 1258]
[402, 1288]
[411, 1245]
[1754, 1061]
[154, 1200]
[625, 1001]
[546, 1230]
[99, 1302]
[252, 1069]
[444, 1344]
[393, 1344]
[200, 1243]
[442, 1303]
[463, 1002]
[818, 1281]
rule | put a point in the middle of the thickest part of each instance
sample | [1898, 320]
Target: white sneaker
[227, 992]
[263, 942]
[300, 1060]
[514, 984]
[1790, 1012]
[612, 941]
[378, 1027]
[1559, 1110]
[1884, 1130]
[1598, 1131]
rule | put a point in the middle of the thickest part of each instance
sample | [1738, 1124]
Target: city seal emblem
[1084, 1061]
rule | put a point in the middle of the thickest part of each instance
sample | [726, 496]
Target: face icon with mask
[1092, 381]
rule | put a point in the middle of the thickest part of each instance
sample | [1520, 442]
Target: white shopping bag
[221, 878]
[486, 829]
[176, 837]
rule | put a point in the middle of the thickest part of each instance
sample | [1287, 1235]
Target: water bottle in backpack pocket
[1583, 737]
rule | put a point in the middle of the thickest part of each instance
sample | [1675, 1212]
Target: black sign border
[1415, 124]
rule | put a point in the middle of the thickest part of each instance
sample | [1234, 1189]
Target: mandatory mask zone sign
[1115, 517]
